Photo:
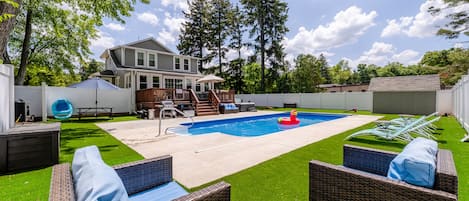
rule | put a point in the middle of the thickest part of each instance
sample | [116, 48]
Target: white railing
[6, 97]
[461, 100]
[342, 100]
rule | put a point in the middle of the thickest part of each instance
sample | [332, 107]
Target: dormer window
[177, 63]
[186, 64]
[140, 58]
[151, 60]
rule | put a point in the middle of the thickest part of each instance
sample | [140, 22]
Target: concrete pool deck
[199, 159]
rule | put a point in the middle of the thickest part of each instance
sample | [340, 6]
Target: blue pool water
[256, 125]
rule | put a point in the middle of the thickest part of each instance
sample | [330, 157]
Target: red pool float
[289, 121]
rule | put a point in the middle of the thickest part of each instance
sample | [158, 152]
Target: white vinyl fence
[6, 97]
[461, 101]
[343, 100]
[40, 99]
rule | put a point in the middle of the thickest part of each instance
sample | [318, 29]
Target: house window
[140, 58]
[188, 84]
[199, 64]
[177, 63]
[127, 81]
[168, 83]
[156, 82]
[206, 86]
[143, 82]
[178, 83]
[151, 60]
[186, 64]
[197, 86]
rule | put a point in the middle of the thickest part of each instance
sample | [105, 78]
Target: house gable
[150, 44]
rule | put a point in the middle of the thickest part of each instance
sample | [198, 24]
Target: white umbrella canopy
[210, 79]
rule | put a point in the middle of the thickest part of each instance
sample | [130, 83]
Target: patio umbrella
[95, 83]
[211, 79]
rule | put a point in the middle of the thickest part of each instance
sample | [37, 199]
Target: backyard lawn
[282, 178]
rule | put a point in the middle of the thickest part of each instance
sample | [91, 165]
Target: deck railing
[212, 97]
[226, 96]
[147, 98]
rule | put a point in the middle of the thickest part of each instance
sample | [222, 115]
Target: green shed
[405, 94]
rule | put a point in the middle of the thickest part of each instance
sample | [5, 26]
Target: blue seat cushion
[164, 192]
[95, 180]
[416, 164]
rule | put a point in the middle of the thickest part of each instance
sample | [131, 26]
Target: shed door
[404, 102]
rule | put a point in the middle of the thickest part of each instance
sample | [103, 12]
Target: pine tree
[236, 32]
[267, 20]
[218, 21]
[193, 38]
[324, 69]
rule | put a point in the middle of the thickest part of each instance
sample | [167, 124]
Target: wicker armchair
[136, 176]
[363, 177]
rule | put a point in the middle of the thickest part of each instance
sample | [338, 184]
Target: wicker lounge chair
[136, 176]
[363, 177]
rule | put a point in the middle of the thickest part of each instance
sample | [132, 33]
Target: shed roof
[406, 83]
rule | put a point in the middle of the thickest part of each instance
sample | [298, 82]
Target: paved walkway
[199, 159]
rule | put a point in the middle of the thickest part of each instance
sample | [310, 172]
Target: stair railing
[213, 98]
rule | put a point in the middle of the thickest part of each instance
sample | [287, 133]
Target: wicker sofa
[363, 177]
[136, 176]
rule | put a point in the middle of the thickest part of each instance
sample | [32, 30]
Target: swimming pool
[255, 125]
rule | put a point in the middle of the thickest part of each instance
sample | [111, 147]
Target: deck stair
[206, 108]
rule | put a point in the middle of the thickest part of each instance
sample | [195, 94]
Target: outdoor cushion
[165, 192]
[416, 164]
[94, 180]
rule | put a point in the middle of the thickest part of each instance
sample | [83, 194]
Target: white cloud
[178, 4]
[383, 53]
[115, 27]
[166, 37]
[458, 45]
[103, 41]
[423, 24]
[174, 24]
[348, 25]
[172, 29]
[148, 18]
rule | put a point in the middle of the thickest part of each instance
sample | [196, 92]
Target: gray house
[405, 94]
[149, 64]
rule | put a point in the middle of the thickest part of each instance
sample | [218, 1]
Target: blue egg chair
[62, 109]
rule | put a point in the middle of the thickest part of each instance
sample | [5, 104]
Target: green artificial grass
[34, 185]
[286, 177]
[281, 178]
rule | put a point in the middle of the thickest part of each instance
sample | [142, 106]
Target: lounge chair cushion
[94, 180]
[416, 164]
[164, 192]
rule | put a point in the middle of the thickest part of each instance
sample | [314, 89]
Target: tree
[74, 24]
[91, 67]
[341, 72]
[459, 21]
[324, 70]
[363, 73]
[235, 36]
[193, 37]
[8, 11]
[307, 74]
[219, 20]
[267, 20]
[251, 78]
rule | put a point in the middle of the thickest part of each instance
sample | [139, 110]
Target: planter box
[29, 147]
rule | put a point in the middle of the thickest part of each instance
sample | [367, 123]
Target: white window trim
[174, 77]
[136, 58]
[156, 60]
[181, 64]
[138, 80]
[156, 75]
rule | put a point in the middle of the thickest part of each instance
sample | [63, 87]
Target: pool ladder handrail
[172, 109]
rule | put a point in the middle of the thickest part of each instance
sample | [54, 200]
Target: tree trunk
[262, 36]
[219, 39]
[6, 27]
[19, 79]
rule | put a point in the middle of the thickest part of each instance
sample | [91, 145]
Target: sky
[359, 31]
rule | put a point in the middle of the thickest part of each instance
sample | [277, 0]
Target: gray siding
[165, 62]
[404, 102]
[193, 65]
[118, 54]
[151, 45]
[129, 57]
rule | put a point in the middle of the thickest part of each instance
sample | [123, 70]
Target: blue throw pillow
[94, 180]
[416, 164]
